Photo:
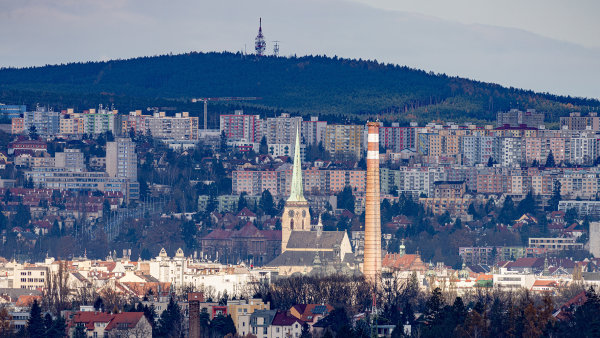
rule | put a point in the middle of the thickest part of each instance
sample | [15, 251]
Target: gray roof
[268, 315]
[311, 239]
[591, 276]
[14, 293]
[300, 258]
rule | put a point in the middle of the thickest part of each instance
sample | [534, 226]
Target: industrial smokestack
[372, 259]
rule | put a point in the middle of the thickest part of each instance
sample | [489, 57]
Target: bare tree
[56, 291]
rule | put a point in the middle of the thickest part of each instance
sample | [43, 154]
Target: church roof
[312, 240]
[300, 258]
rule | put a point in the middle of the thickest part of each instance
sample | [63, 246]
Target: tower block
[372, 256]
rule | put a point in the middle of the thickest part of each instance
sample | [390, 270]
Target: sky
[544, 45]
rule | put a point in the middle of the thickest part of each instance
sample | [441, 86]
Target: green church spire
[297, 191]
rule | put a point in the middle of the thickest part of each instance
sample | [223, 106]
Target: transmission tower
[260, 45]
[276, 48]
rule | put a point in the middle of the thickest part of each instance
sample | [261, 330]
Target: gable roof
[312, 240]
[125, 320]
[300, 258]
[283, 319]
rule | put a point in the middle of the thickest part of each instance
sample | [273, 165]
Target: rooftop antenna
[276, 48]
[260, 44]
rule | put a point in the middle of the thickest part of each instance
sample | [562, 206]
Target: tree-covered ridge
[308, 84]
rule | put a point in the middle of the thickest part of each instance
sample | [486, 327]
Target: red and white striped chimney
[372, 257]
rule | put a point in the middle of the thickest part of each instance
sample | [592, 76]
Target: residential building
[344, 140]
[515, 118]
[575, 121]
[555, 243]
[10, 111]
[240, 127]
[121, 159]
[313, 131]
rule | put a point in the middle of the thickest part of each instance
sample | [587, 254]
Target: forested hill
[356, 89]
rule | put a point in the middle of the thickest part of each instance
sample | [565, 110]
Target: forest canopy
[328, 86]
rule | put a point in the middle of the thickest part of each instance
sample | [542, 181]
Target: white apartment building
[29, 277]
[121, 159]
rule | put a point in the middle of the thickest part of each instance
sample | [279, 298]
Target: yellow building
[345, 140]
[236, 308]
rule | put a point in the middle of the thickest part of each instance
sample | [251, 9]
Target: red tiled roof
[283, 319]
[272, 235]
[130, 319]
[27, 300]
[89, 318]
[218, 234]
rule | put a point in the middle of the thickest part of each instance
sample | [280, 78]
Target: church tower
[296, 216]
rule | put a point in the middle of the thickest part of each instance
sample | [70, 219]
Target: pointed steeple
[297, 190]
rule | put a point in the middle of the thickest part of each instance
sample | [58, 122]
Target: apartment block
[555, 243]
[344, 140]
[397, 138]
[240, 127]
[515, 118]
[575, 121]
[30, 277]
[313, 131]
[121, 159]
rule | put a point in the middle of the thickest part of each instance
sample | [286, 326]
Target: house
[246, 215]
[567, 309]
[404, 262]
[310, 313]
[286, 325]
[545, 286]
[272, 324]
[100, 324]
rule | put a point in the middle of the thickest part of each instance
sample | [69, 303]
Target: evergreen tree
[587, 321]
[242, 202]
[22, 217]
[507, 213]
[550, 160]
[57, 330]
[527, 205]
[33, 135]
[305, 331]
[170, 320]
[35, 323]
[266, 202]
[99, 304]
[556, 197]
[48, 322]
[263, 148]
[345, 199]
[222, 325]
[80, 332]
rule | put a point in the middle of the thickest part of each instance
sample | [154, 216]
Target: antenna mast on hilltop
[260, 44]
[276, 48]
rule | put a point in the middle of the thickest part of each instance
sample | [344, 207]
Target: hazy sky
[545, 45]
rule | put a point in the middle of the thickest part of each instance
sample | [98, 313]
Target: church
[306, 249]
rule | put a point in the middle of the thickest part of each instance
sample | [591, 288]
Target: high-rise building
[240, 127]
[577, 122]
[72, 159]
[313, 131]
[515, 118]
[344, 140]
[121, 159]
[282, 129]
